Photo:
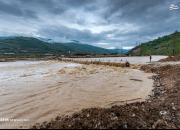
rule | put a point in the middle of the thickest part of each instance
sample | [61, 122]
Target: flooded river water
[37, 91]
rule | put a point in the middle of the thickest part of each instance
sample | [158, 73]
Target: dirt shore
[170, 58]
[162, 110]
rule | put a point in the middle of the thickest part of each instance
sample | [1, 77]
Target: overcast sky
[104, 23]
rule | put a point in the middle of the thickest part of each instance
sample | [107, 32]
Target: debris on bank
[170, 58]
[124, 64]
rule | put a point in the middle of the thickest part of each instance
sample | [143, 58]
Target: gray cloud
[105, 23]
[10, 9]
[59, 33]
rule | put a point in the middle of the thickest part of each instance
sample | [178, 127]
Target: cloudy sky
[104, 23]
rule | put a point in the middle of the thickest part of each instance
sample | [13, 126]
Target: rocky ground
[162, 110]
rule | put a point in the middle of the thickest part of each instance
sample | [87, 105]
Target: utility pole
[172, 8]
[140, 49]
[173, 40]
[121, 50]
[173, 51]
[174, 48]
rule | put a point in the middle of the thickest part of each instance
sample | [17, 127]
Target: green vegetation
[33, 46]
[167, 45]
[19, 45]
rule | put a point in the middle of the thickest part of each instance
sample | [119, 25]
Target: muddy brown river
[37, 91]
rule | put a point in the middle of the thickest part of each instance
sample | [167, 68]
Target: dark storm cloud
[67, 33]
[105, 23]
[15, 9]
[9, 9]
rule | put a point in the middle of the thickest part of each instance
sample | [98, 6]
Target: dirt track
[162, 110]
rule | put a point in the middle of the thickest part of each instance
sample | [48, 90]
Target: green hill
[29, 45]
[23, 45]
[77, 48]
[166, 45]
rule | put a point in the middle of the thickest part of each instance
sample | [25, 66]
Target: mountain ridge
[28, 45]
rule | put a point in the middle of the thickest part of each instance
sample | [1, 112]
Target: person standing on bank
[150, 57]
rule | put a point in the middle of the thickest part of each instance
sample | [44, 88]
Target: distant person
[150, 57]
[127, 64]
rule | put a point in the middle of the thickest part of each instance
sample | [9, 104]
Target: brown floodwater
[37, 91]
